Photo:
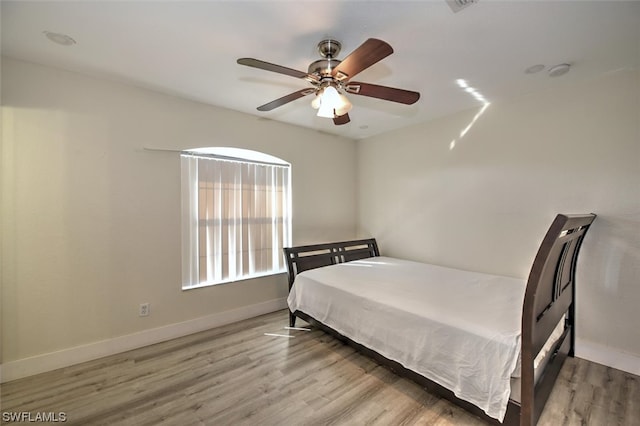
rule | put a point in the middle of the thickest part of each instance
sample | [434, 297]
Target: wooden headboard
[302, 258]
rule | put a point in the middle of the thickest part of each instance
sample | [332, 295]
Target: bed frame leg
[292, 320]
[572, 323]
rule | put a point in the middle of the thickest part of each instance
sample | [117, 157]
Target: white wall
[485, 204]
[91, 221]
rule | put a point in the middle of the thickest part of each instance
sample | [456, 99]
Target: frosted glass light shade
[333, 103]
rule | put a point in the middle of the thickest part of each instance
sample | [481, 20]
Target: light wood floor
[236, 375]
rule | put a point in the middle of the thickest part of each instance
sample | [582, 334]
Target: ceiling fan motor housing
[323, 67]
[329, 48]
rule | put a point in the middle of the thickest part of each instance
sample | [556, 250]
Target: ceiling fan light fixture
[325, 110]
[345, 105]
[315, 103]
[333, 103]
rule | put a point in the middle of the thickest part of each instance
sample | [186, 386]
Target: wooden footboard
[549, 295]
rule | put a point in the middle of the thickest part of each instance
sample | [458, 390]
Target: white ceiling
[189, 49]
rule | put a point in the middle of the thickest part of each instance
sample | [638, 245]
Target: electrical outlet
[145, 309]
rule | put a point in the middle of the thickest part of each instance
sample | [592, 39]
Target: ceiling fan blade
[367, 54]
[383, 92]
[286, 99]
[341, 119]
[257, 63]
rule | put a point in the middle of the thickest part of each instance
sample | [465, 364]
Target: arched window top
[237, 154]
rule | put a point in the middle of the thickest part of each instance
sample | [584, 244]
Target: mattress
[459, 329]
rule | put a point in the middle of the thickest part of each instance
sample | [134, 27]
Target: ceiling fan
[331, 78]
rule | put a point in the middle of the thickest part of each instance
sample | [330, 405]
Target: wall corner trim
[25, 367]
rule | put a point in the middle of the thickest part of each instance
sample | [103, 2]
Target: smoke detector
[458, 5]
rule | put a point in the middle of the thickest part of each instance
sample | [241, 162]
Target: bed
[430, 323]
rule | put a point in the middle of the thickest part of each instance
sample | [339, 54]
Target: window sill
[243, 278]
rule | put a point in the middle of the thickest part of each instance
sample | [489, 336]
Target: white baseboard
[14, 370]
[601, 354]
[51, 361]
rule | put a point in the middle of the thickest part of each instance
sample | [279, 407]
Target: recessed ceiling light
[559, 70]
[458, 5]
[534, 69]
[59, 38]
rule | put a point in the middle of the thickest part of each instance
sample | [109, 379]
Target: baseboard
[606, 356]
[18, 369]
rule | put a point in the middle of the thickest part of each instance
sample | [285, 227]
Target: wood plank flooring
[236, 375]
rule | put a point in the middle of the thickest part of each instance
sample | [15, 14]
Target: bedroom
[91, 221]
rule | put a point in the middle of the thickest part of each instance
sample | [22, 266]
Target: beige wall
[91, 221]
[485, 204]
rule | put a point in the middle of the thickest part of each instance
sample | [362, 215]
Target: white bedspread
[460, 329]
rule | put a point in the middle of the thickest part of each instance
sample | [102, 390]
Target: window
[236, 215]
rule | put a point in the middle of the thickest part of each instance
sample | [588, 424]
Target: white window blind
[235, 219]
